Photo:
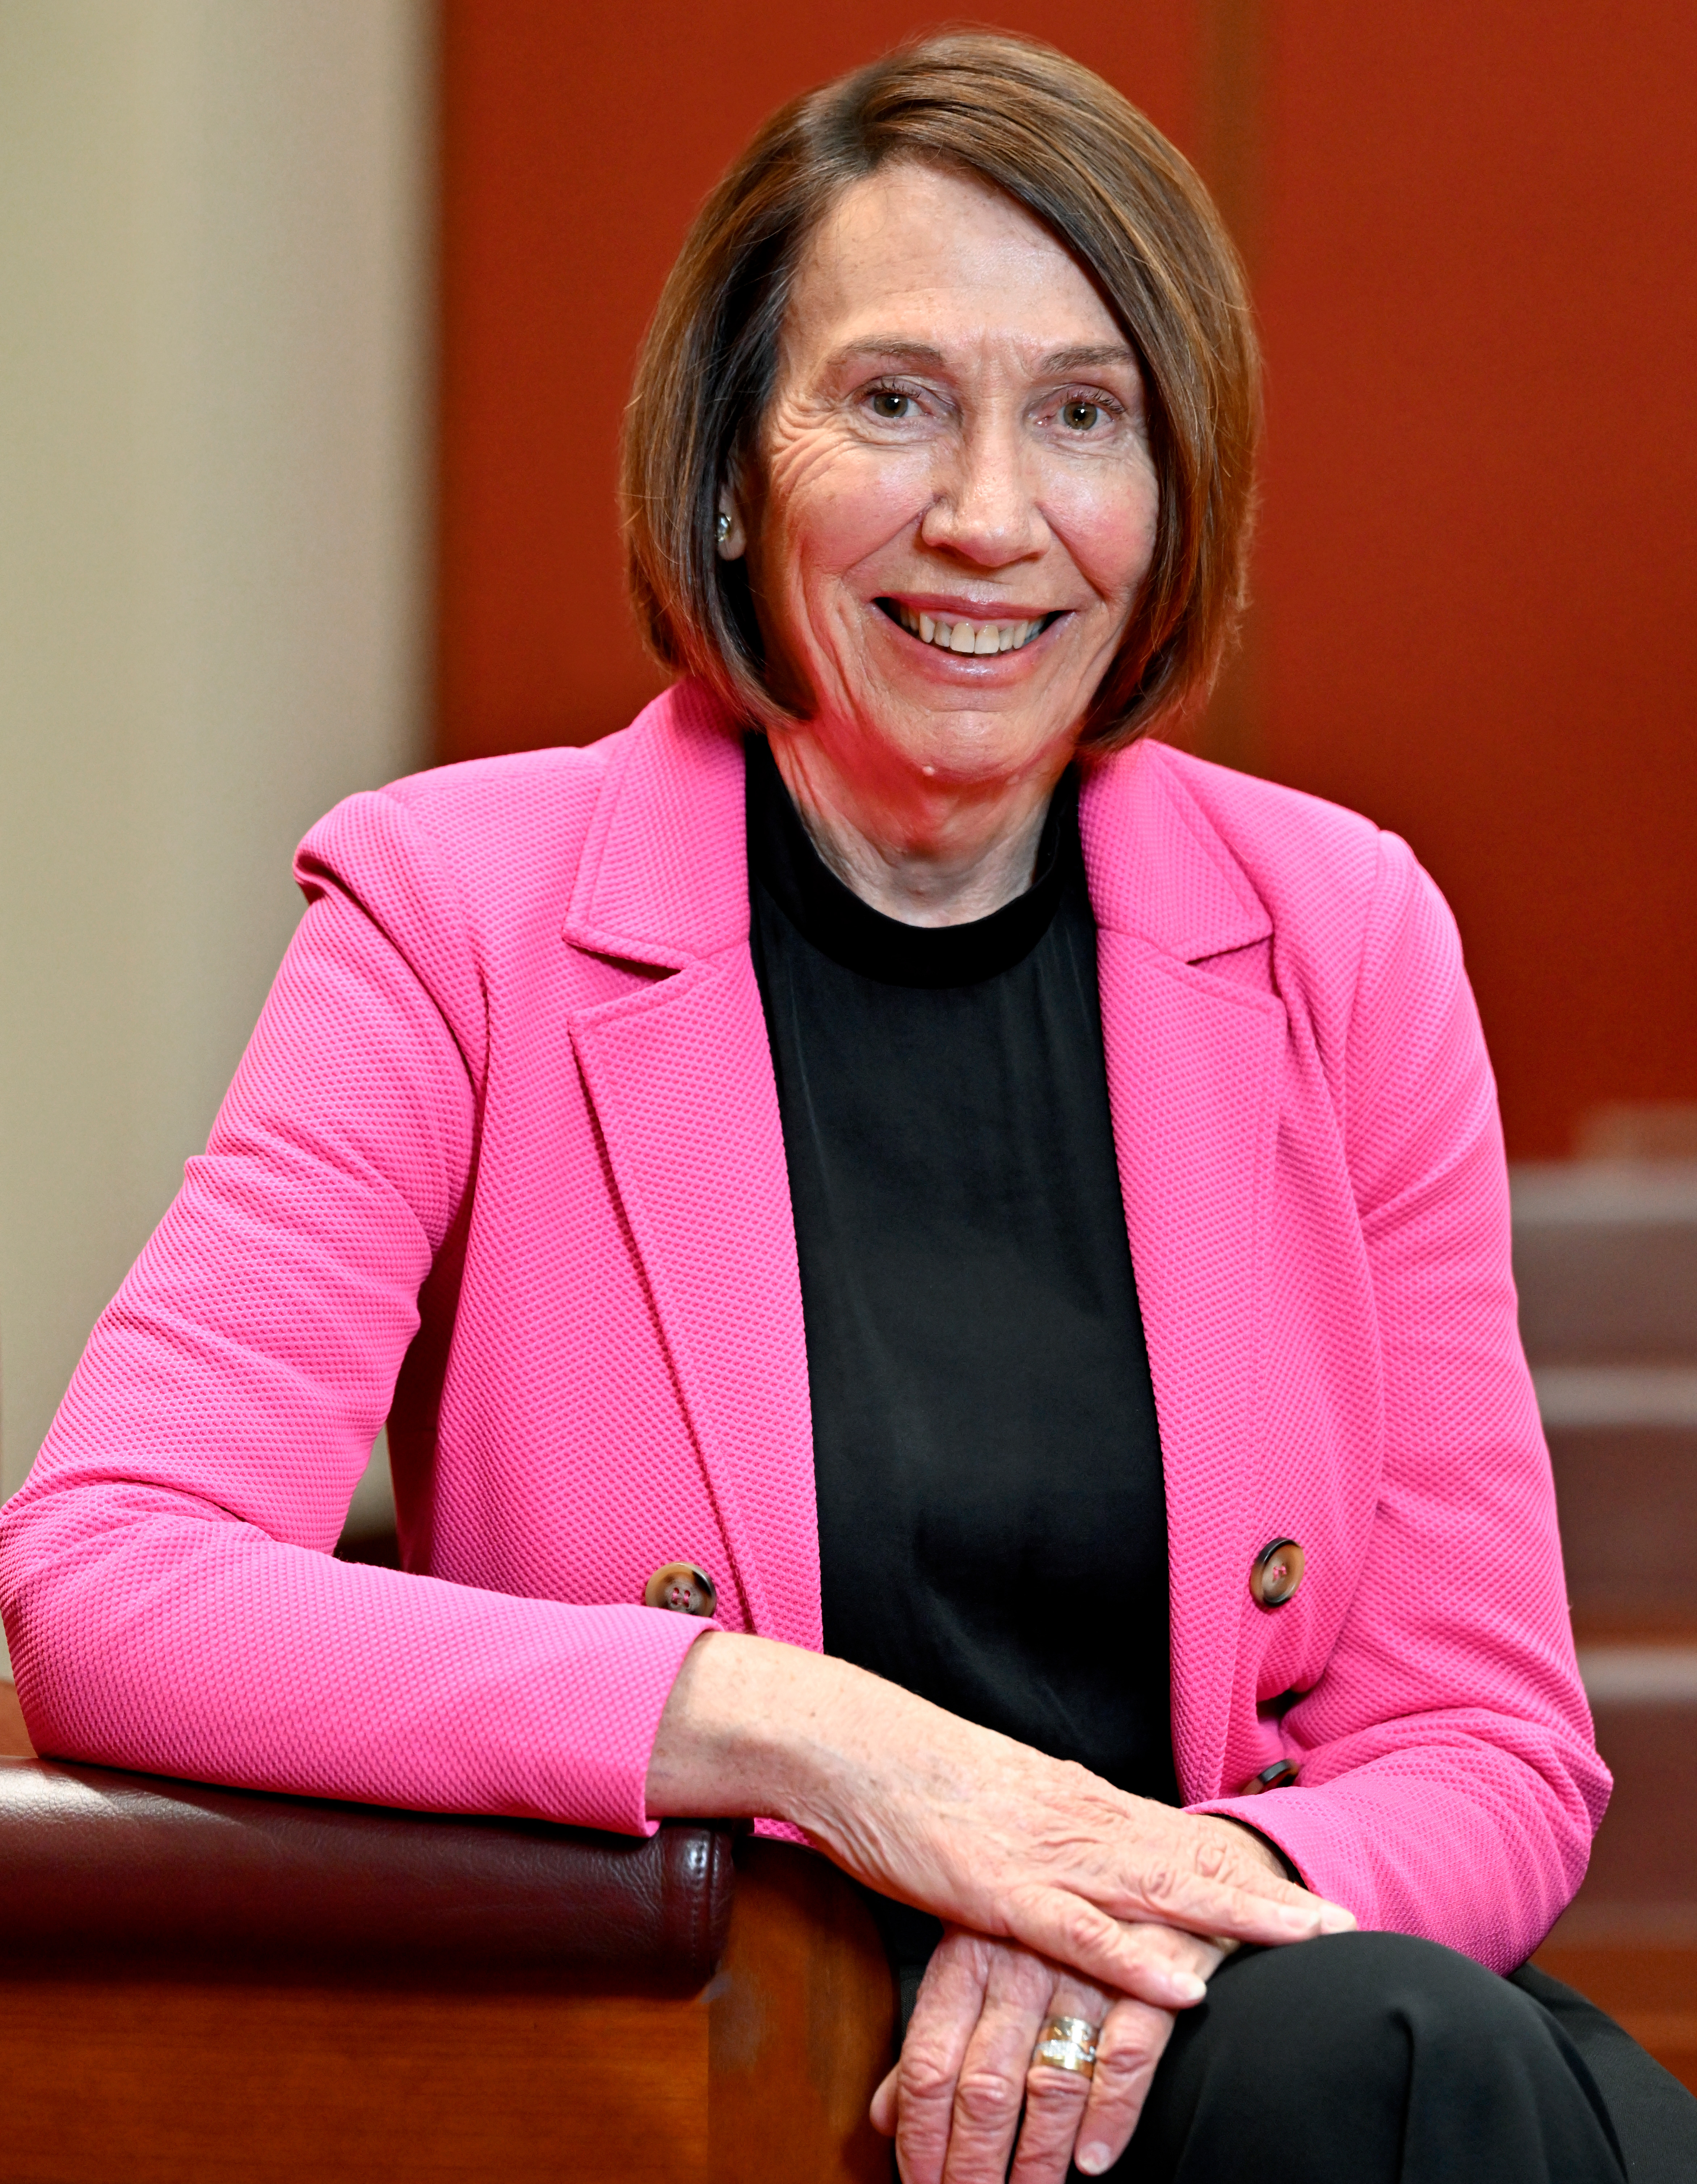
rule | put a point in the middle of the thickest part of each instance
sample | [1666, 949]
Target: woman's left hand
[954, 2101]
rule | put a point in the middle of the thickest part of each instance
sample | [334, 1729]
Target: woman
[1002, 1225]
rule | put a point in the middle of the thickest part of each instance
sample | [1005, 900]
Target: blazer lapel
[680, 1074]
[1192, 1060]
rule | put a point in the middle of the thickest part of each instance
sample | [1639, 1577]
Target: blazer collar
[1158, 868]
[663, 876]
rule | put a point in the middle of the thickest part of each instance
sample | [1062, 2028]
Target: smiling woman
[1103, 220]
[938, 1270]
[948, 521]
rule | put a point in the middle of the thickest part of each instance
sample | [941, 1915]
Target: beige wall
[214, 231]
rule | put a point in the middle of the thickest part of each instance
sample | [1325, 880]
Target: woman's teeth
[976, 637]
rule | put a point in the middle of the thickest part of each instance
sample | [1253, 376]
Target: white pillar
[215, 221]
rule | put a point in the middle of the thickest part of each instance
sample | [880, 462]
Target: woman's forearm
[755, 1727]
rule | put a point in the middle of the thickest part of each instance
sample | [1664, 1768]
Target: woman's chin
[970, 732]
[973, 742]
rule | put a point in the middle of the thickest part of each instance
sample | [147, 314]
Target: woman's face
[954, 509]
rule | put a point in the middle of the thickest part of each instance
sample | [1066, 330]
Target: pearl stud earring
[724, 526]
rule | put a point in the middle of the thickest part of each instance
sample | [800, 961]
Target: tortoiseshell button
[681, 1588]
[1276, 1573]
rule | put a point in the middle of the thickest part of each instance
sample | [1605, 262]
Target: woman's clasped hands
[968, 2081]
[1064, 1897]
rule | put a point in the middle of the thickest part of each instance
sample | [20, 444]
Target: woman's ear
[729, 538]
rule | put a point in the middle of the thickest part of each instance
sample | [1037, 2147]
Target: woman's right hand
[966, 1824]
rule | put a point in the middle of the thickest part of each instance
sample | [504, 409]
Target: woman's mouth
[965, 634]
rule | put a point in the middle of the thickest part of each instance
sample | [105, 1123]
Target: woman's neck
[924, 851]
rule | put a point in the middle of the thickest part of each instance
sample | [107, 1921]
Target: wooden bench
[201, 1985]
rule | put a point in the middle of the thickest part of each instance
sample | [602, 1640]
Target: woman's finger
[915, 2103]
[1147, 1959]
[1127, 2053]
[1056, 2098]
[1179, 1894]
[1210, 1876]
[1090, 2120]
[994, 2084]
[966, 2072]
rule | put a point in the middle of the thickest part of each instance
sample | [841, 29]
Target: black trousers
[1376, 2058]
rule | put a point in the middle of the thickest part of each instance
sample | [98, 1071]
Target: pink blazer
[502, 1164]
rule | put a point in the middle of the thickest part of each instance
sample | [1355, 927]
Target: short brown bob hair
[1083, 161]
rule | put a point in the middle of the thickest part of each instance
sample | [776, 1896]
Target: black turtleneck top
[992, 1512]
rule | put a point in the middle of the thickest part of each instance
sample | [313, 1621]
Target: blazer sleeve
[1450, 1784]
[166, 1574]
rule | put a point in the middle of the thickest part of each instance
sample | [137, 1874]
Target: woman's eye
[890, 402]
[1080, 416]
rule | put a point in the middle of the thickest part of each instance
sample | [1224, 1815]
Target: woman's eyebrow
[1083, 359]
[898, 349]
[894, 347]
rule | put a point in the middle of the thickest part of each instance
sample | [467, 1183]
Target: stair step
[1626, 1497]
[1605, 1260]
[1576, 1397]
[1642, 1865]
[1629, 1673]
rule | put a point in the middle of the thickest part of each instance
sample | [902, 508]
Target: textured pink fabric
[504, 1161]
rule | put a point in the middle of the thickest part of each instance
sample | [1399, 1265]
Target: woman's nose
[983, 508]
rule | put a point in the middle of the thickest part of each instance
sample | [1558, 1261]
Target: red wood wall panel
[1479, 284]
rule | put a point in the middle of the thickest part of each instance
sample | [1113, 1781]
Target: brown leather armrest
[96, 1862]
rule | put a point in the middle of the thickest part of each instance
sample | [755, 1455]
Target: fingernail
[1092, 2160]
[1186, 1987]
[1335, 1919]
[1295, 1919]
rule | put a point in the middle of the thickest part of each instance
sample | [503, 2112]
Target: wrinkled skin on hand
[954, 2102]
[993, 1836]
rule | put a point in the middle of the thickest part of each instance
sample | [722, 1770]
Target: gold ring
[1068, 2043]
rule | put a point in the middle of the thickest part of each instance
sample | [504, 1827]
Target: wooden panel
[1627, 1498]
[168, 2082]
[764, 2079]
[15, 1738]
[1641, 1861]
[802, 2026]
[1475, 620]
